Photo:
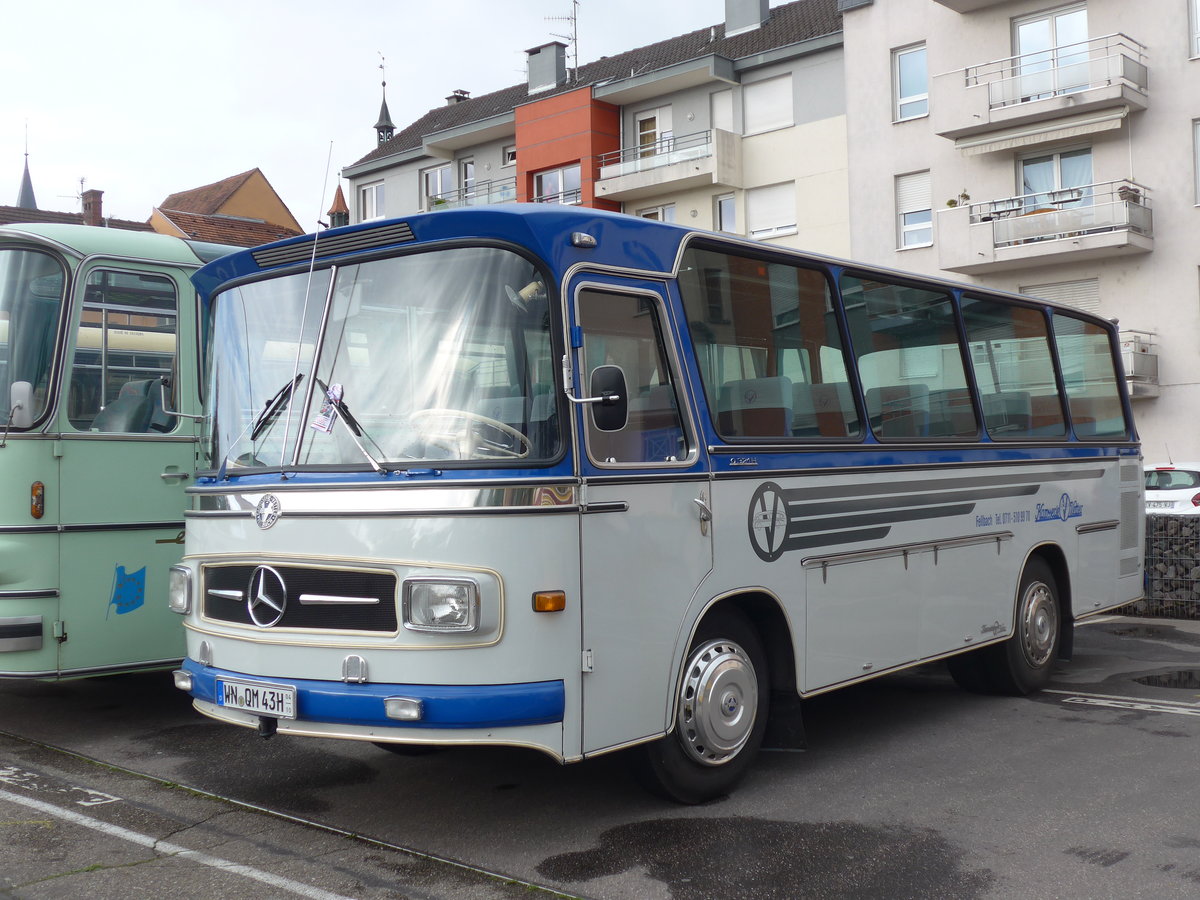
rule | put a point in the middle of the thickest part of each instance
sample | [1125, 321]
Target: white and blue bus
[577, 481]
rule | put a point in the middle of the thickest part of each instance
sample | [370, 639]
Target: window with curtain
[1056, 180]
[910, 80]
[914, 210]
[1194, 20]
[1052, 52]
[767, 105]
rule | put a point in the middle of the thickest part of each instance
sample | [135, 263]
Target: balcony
[1140, 358]
[1022, 101]
[502, 190]
[1094, 221]
[671, 164]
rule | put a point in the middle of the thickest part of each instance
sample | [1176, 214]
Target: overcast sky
[143, 99]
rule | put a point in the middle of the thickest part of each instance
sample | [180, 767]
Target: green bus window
[31, 299]
[1010, 355]
[768, 347]
[909, 359]
[1090, 375]
[125, 342]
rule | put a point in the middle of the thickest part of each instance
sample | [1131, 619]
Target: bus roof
[89, 240]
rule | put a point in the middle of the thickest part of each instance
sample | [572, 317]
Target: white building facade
[1048, 148]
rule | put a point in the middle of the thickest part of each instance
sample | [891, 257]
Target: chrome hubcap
[1039, 624]
[718, 703]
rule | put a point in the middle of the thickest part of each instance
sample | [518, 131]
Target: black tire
[1023, 663]
[972, 671]
[713, 744]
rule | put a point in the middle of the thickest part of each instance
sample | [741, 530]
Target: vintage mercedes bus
[91, 518]
[577, 481]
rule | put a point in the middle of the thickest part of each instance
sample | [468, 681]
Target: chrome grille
[322, 599]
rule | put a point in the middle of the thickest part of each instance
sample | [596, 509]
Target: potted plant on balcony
[1127, 193]
[962, 199]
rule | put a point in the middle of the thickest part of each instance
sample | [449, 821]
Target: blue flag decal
[129, 591]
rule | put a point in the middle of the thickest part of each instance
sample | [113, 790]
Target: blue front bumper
[444, 706]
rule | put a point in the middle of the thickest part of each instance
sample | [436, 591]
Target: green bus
[99, 374]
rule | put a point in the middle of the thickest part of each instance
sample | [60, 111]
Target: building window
[370, 201]
[914, 210]
[1083, 294]
[910, 77]
[435, 183]
[1052, 53]
[1194, 18]
[508, 155]
[1056, 180]
[725, 213]
[767, 105]
[466, 179]
[659, 213]
[1196, 155]
[771, 210]
[558, 186]
[654, 132]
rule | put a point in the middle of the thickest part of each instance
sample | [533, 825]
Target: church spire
[384, 128]
[25, 199]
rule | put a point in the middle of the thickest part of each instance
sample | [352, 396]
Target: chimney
[458, 97]
[93, 208]
[548, 66]
[744, 15]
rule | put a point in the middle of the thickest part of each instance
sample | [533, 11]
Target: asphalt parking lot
[908, 787]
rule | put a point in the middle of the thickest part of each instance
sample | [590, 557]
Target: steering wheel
[471, 444]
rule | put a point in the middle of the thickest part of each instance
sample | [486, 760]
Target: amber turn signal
[37, 499]
[549, 601]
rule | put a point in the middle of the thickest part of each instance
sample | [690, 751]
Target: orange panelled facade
[562, 130]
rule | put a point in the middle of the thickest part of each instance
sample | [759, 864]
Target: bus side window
[768, 347]
[623, 330]
[125, 342]
[1091, 379]
[1010, 353]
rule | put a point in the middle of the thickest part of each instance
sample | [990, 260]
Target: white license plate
[1160, 504]
[278, 701]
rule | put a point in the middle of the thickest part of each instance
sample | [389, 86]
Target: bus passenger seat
[756, 407]
[130, 412]
[899, 410]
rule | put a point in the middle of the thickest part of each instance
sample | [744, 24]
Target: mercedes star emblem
[266, 599]
[267, 512]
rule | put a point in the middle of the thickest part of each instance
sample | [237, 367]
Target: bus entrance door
[646, 542]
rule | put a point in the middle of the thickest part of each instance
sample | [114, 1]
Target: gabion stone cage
[1172, 568]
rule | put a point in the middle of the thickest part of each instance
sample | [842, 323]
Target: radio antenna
[573, 37]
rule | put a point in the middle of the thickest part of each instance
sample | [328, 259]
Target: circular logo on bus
[267, 512]
[266, 598]
[768, 521]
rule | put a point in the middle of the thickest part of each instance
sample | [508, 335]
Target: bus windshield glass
[31, 299]
[434, 358]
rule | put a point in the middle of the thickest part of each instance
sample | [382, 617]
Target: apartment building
[739, 127]
[1049, 148]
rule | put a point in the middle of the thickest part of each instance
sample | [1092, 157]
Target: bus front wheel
[721, 714]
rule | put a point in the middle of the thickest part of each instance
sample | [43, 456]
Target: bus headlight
[179, 589]
[441, 604]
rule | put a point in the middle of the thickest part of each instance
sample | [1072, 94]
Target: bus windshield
[435, 358]
[31, 299]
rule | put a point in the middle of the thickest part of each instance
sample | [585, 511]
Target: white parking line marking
[1174, 704]
[145, 840]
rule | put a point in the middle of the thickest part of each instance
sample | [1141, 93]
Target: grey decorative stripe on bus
[784, 519]
[302, 251]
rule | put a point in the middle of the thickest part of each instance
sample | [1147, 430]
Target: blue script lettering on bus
[984, 521]
[1066, 508]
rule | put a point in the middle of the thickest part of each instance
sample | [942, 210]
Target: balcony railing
[566, 198]
[502, 190]
[663, 152]
[1069, 212]
[1071, 68]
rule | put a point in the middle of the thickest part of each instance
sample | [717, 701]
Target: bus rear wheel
[721, 714]
[1022, 664]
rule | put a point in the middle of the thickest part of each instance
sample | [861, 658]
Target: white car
[1173, 489]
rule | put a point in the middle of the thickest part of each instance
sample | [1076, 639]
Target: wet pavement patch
[747, 857]
[1185, 679]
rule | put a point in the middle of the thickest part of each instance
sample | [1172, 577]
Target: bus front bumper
[366, 706]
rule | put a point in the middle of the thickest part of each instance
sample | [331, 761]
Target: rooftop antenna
[78, 197]
[573, 37]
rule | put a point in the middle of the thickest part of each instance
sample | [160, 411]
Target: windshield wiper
[352, 425]
[273, 406]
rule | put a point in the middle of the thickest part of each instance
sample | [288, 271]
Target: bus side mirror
[610, 409]
[20, 404]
